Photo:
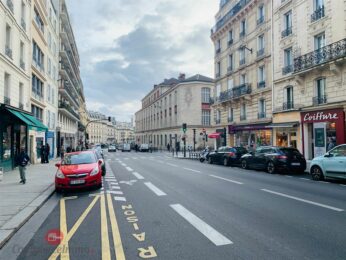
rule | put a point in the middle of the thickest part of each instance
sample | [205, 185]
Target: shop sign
[320, 116]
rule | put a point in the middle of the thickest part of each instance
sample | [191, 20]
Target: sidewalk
[19, 202]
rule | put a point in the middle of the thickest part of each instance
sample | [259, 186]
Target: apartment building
[15, 79]
[243, 71]
[124, 132]
[309, 74]
[97, 128]
[170, 104]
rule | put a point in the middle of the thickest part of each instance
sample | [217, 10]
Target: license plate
[74, 182]
[295, 163]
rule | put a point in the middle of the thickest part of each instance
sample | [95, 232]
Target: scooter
[204, 156]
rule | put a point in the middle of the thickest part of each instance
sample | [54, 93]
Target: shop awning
[283, 125]
[214, 135]
[29, 120]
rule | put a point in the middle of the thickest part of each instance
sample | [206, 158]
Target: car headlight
[60, 175]
[94, 171]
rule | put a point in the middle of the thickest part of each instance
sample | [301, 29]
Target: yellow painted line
[118, 246]
[65, 254]
[73, 230]
[106, 252]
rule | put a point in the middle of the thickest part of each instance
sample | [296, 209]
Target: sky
[127, 46]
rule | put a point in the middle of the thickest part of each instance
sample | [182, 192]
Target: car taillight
[281, 157]
[231, 154]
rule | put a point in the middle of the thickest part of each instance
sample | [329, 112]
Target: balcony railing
[260, 52]
[7, 100]
[39, 66]
[325, 54]
[242, 34]
[287, 105]
[22, 64]
[261, 84]
[21, 105]
[23, 24]
[241, 62]
[241, 90]
[235, 9]
[319, 100]
[317, 14]
[286, 32]
[230, 42]
[37, 96]
[8, 51]
[226, 95]
[242, 117]
[10, 5]
[287, 69]
[260, 20]
[66, 106]
[261, 115]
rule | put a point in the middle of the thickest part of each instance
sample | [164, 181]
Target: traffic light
[184, 127]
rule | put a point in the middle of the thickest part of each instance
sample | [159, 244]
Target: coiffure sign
[322, 116]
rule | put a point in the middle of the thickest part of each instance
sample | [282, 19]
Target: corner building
[243, 71]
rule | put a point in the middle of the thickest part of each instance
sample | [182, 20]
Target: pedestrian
[62, 152]
[47, 151]
[68, 149]
[168, 147]
[42, 153]
[22, 161]
[136, 147]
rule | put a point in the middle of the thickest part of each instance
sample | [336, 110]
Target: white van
[126, 148]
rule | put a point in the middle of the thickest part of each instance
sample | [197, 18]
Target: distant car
[112, 148]
[331, 165]
[144, 148]
[78, 170]
[274, 159]
[227, 155]
[126, 148]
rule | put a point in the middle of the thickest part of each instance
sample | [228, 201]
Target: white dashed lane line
[209, 232]
[117, 198]
[138, 176]
[129, 169]
[303, 200]
[192, 170]
[115, 192]
[229, 180]
[171, 164]
[155, 189]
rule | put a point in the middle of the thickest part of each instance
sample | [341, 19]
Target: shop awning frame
[29, 120]
[284, 125]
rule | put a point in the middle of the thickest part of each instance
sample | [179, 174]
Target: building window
[21, 95]
[37, 87]
[230, 63]
[7, 89]
[260, 45]
[205, 95]
[242, 79]
[218, 117]
[218, 90]
[230, 37]
[319, 42]
[230, 114]
[37, 112]
[23, 15]
[289, 104]
[261, 77]
[318, 10]
[37, 56]
[243, 112]
[21, 55]
[242, 56]
[218, 46]
[218, 69]
[261, 108]
[287, 24]
[38, 20]
[230, 84]
[260, 15]
[242, 28]
[8, 42]
[287, 61]
[321, 97]
[205, 117]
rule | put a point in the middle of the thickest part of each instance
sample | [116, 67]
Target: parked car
[112, 148]
[144, 148]
[78, 170]
[331, 165]
[274, 159]
[227, 155]
[126, 148]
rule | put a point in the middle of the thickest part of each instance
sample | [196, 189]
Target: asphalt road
[155, 206]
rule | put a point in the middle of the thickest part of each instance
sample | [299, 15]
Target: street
[155, 206]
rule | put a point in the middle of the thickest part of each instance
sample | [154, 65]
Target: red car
[78, 170]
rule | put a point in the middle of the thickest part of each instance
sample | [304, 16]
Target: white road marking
[171, 164]
[128, 182]
[113, 183]
[123, 164]
[119, 198]
[115, 187]
[289, 176]
[155, 189]
[188, 169]
[209, 232]
[115, 192]
[305, 179]
[343, 185]
[303, 200]
[129, 169]
[138, 176]
[236, 182]
[324, 182]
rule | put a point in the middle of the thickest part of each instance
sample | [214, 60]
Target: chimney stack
[181, 76]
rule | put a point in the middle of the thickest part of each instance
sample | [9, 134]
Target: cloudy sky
[127, 46]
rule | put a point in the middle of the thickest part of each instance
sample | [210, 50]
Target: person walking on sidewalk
[47, 151]
[22, 161]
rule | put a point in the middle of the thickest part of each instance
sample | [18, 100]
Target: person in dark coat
[43, 153]
[47, 151]
[22, 161]
[168, 147]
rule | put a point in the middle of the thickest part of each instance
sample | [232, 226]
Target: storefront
[322, 130]
[251, 136]
[15, 126]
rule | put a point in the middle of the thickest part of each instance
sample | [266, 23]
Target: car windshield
[81, 158]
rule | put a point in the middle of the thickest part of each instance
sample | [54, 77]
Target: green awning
[30, 121]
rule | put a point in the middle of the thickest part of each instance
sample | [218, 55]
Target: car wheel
[316, 173]
[244, 164]
[225, 162]
[270, 167]
[210, 161]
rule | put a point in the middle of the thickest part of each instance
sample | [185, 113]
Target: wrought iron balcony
[66, 106]
[22, 64]
[286, 32]
[7, 100]
[261, 84]
[325, 54]
[260, 52]
[230, 42]
[317, 14]
[23, 24]
[8, 51]
[319, 100]
[261, 115]
[287, 69]
[260, 20]
[241, 62]
[21, 105]
[242, 34]
[226, 95]
[241, 90]
[287, 105]
[10, 5]
[242, 117]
